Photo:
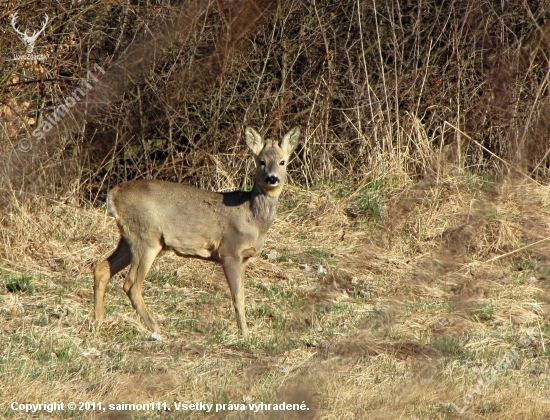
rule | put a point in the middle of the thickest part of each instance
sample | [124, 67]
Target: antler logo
[29, 40]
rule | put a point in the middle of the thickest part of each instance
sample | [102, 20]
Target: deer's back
[185, 219]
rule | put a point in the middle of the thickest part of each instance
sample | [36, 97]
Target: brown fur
[228, 228]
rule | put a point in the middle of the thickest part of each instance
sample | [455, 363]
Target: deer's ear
[254, 140]
[290, 140]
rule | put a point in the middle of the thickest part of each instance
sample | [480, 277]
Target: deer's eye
[282, 162]
[262, 162]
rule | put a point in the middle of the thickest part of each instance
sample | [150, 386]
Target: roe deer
[227, 227]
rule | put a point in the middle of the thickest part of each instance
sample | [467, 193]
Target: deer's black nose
[272, 180]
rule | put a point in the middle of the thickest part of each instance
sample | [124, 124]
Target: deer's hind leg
[142, 259]
[117, 261]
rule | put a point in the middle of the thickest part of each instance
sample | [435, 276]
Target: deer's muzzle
[272, 180]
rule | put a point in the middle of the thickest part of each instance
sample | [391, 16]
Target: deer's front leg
[234, 273]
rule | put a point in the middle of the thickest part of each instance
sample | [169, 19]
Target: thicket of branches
[386, 84]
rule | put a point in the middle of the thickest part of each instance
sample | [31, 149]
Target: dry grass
[404, 321]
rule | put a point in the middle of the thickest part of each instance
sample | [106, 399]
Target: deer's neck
[263, 206]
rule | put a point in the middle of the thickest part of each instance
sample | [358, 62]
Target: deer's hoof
[155, 337]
